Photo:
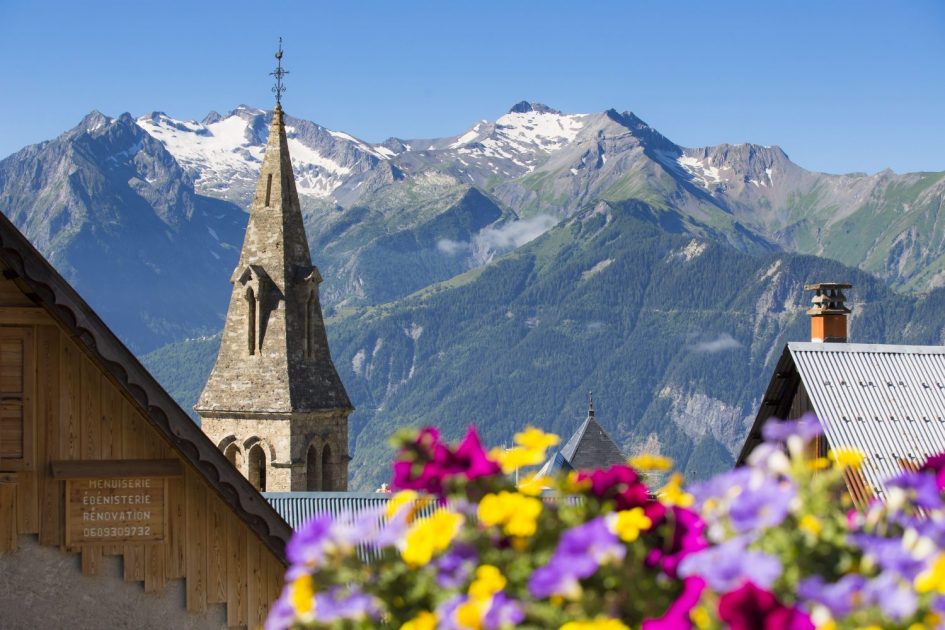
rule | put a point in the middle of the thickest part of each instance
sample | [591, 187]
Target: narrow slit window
[309, 326]
[251, 321]
[268, 188]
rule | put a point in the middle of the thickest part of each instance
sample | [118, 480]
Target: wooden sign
[115, 501]
[117, 509]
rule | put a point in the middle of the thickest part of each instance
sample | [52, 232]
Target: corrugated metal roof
[298, 507]
[886, 400]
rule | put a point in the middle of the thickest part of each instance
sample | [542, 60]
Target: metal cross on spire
[590, 403]
[279, 89]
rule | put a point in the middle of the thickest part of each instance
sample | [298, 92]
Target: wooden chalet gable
[97, 460]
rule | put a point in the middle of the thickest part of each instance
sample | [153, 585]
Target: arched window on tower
[313, 470]
[235, 455]
[257, 467]
[328, 481]
[310, 325]
[251, 320]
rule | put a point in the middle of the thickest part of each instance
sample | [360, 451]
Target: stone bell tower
[274, 402]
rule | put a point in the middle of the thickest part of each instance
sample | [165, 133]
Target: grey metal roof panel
[886, 400]
[298, 507]
[591, 447]
[555, 463]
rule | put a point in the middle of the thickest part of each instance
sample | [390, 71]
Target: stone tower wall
[294, 446]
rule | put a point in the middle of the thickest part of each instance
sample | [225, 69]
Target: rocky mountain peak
[524, 107]
[93, 120]
[212, 117]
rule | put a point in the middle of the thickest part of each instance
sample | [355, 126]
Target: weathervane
[279, 89]
[590, 403]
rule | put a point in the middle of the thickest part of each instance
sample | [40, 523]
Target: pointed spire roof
[590, 447]
[274, 354]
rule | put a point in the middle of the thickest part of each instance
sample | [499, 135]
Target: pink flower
[753, 608]
[426, 463]
[936, 465]
[677, 615]
[619, 483]
[687, 538]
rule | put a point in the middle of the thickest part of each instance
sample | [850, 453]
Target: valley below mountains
[494, 277]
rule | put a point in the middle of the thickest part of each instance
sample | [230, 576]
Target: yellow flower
[700, 618]
[846, 457]
[818, 463]
[430, 536]
[469, 614]
[489, 581]
[536, 439]
[673, 494]
[402, 498]
[629, 523]
[811, 524]
[933, 578]
[601, 623]
[423, 621]
[571, 483]
[829, 624]
[511, 459]
[302, 595]
[517, 513]
[532, 485]
[529, 450]
[650, 462]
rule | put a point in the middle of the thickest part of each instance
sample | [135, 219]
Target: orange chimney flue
[828, 313]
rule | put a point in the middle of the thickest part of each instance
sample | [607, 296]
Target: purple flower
[282, 614]
[921, 488]
[751, 499]
[336, 605]
[722, 484]
[807, 428]
[454, 566]
[839, 597]
[894, 596]
[309, 546]
[579, 553]
[889, 554]
[762, 504]
[726, 566]
[504, 612]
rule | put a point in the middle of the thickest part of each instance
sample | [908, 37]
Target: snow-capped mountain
[223, 153]
[388, 219]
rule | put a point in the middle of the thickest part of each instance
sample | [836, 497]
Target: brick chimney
[828, 315]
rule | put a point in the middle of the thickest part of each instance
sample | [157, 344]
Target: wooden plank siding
[80, 413]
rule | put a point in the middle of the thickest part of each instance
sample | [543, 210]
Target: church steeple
[274, 377]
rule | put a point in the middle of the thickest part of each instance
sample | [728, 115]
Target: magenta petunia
[686, 538]
[619, 483]
[677, 615]
[753, 608]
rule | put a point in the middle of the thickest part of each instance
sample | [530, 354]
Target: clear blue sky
[841, 86]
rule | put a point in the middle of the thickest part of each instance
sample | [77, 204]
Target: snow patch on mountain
[703, 173]
[227, 149]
